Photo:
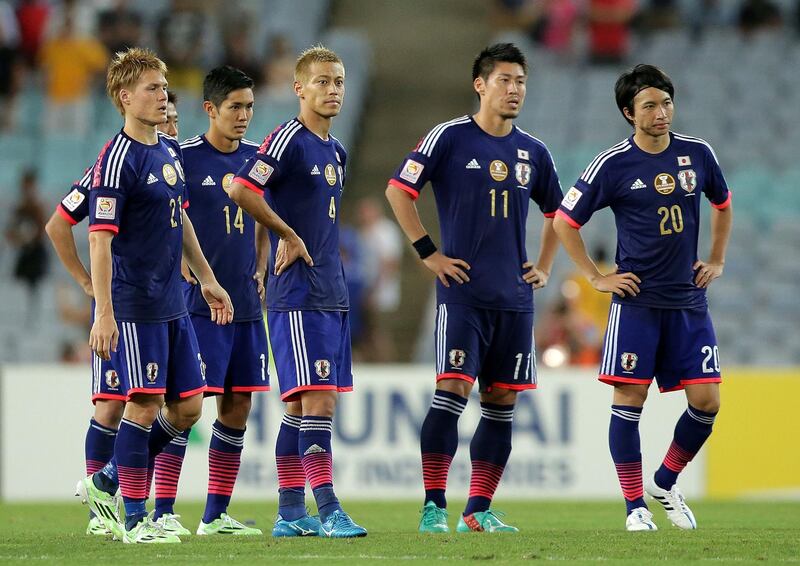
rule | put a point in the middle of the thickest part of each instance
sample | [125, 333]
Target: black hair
[221, 81]
[630, 83]
[498, 53]
[172, 97]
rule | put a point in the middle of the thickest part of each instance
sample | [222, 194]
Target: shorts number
[711, 354]
[332, 209]
[674, 214]
[519, 357]
[504, 194]
[173, 206]
[263, 367]
[238, 220]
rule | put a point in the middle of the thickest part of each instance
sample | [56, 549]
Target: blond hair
[126, 69]
[315, 54]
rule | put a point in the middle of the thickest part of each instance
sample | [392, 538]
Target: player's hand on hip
[621, 284]
[447, 267]
[290, 249]
[219, 302]
[104, 336]
[534, 276]
[706, 273]
[187, 273]
[258, 277]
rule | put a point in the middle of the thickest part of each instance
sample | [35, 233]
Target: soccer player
[108, 393]
[659, 324]
[299, 171]
[138, 232]
[484, 171]
[235, 355]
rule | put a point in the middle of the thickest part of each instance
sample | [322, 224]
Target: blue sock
[314, 445]
[691, 432]
[489, 452]
[130, 453]
[438, 442]
[224, 457]
[291, 477]
[99, 447]
[168, 467]
[623, 440]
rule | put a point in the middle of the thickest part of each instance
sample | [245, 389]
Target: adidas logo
[314, 449]
[208, 182]
[473, 164]
[152, 179]
[638, 184]
[315, 171]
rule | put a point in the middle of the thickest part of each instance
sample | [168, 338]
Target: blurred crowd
[601, 31]
[63, 47]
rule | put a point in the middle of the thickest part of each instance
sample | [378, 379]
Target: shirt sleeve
[715, 187]
[74, 207]
[112, 178]
[546, 192]
[590, 193]
[271, 161]
[420, 165]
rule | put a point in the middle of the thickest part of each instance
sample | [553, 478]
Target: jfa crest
[152, 372]
[523, 173]
[323, 369]
[688, 179]
[457, 358]
[112, 379]
[629, 360]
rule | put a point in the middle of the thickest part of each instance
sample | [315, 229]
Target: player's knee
[184, 413]
[233, 410]
[630, 394]
[319, 403]
[707, 405]
[143, 408]
[457, 386]
[498, 396]
[108, 412]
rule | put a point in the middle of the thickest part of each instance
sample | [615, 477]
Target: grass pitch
[570, 532]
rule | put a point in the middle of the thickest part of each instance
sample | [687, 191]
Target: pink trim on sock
[133, 482]
[435, 468]
[167, 473]
[485, 478]
[318, 468]
[677, 458]
[630, 479]
[223, 467]
[93, 466]
[290, 471]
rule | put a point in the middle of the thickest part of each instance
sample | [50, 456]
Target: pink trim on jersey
[725, 204]
[185, 204]
[344, 389]
[569, 220]
[249, 185]
[685, 382]
[294, 393]
[106, 227]
[612, 379]
[403, 187]
[512, 386]
[146, 391]
[467, 378]
[97, 172]
[65, 215]
[670, 389]
[262, 149]
[109, 397]
[247, 389]
[549, 214]
[214, 390]
[185, 394]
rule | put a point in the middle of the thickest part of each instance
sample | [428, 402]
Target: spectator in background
[566, 337]
[83, 14]
[70, 64]
[758, 15]
[352, 250]
[660, 15]
[119, 27]
[383, 244]
[9, 69]
[560, 17]
[182, 35]
[25, 233]
[278, 74]
[610, 30]
[239, 52]
[32, 16]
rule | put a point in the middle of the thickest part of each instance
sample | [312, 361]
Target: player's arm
[262, 249]
[538, 273]
[104, 335]
[721, 223]
[291, 245]
[405, 210]
[620, 284]
[59, 230]
[217, 298]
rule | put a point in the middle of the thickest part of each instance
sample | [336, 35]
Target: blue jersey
[656, 204]
[225, 232]
[302, 177]
[483, 185]
[74, 207]
[138, 193]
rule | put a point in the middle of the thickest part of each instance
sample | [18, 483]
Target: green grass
[740, 533]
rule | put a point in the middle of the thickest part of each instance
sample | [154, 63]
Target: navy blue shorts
[159, 358]
[311, 350]
[493, 346]
[675, 346]
[106, 383]
[235, 355]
